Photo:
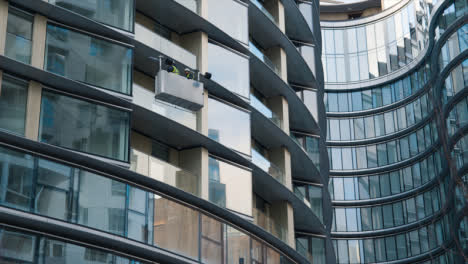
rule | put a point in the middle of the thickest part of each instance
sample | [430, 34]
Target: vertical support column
[197, 43]
[278, 56]
[140, 163]
[3, 24]
[33, 110]
[196, 161]
[280, 106]
[282, 158]
[203, 8]
[276, 8]
[39, 41]
[283, 214]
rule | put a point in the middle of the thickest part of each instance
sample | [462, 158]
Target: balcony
[264, 11]
[259, 54]
[267, 222]
[165, 46]
[267, 166]
[257, 104]
[157, 169]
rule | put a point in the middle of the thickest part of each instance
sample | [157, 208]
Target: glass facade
[18, 246]
[115, 13]
[84, 126]
[13, 100]
[74, 195]
[88, 59]
[19, 35]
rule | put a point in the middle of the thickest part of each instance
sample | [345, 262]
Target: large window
[229, 69]
[88, 59]
[19, 35]
[84, 126]
[13, 99]
[231, 16]
[116, 13]
[55, 190]
[230, 186]
[229, 126]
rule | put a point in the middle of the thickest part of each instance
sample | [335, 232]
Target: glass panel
[16, 246]
[237, 246]
[84, 126]
[228, 184]
[211, 240]
[19, 36]
[13, 100]
[88, 59]
[101, 203]
[229, 69]
[116, 13]
[175, 227]
[230, 16]
[222, 118]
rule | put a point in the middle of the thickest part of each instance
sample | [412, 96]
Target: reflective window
[19, 35]
[116, 13]
[222, 118]
[312, 248]
[88, 59]
[84, 126]
[228, 185]
[229, 69]
[13, 100]
[231, 16]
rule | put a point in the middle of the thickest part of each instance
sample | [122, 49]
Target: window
[13, 100]
[19, 35]
[116, 13]
[88, 59]
[84, 126]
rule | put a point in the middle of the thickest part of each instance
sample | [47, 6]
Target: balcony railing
[267, 166]
[268, 223]
[190, 4]
[165, 46]
[145, 98]
[264, 10]
[259, 54]
[257, 104]
[157, 169]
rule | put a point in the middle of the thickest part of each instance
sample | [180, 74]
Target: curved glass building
[194, 131]
[396, 125]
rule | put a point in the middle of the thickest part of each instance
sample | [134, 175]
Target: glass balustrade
[267, 166]
[257, 104]
[259, 54]
[267, 222]
[165, 46]
[157, 169]
[190, 4]
[264, 10]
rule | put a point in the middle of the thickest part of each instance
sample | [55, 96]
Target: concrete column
[282, 158]
[282, 212]
[280, 107]
[3, 24]
[278, 56]
[39, 41]
[197, 43]
[203, 8]
[196, 161]
[33, 110]
[276, 8]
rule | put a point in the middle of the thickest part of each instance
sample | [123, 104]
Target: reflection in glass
[13, 100]
[88, 59]
[84, 126]
[19, 35]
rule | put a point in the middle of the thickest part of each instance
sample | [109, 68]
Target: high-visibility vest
[173, 69]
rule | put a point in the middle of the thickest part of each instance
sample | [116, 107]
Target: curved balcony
[268, 35]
